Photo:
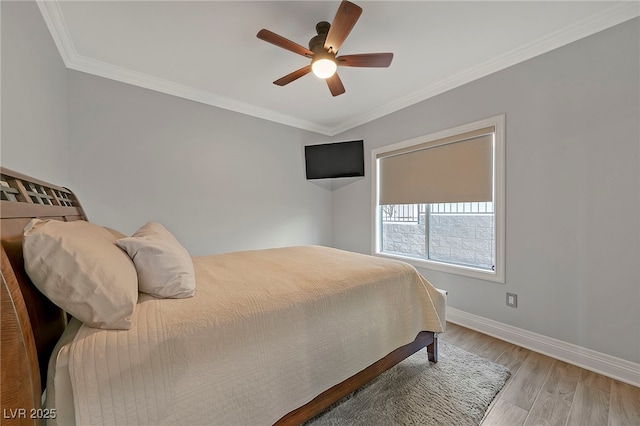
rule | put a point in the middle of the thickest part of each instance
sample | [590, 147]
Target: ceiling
[207, 51]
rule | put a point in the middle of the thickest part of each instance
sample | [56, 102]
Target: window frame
[498, 275]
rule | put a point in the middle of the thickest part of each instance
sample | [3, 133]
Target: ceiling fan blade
[335, 85]
[376, 60]
[346, 17]
[293, 76]
[285, 43]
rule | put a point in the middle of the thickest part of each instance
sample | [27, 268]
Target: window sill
[481, 274]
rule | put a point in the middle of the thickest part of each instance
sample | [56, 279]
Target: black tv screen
[334, 160]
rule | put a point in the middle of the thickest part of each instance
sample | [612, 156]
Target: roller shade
[450, 170]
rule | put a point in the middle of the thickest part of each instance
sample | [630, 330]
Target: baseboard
[607, 365]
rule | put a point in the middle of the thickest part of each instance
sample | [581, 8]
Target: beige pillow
[164, 266]
[78, 266]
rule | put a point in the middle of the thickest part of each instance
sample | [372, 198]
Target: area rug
[457, 390]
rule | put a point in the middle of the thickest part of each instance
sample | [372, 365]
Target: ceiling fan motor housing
[316, 44]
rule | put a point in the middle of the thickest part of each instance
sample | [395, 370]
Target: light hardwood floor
[546, 391]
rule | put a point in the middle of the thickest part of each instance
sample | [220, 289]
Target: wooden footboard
[339, 391]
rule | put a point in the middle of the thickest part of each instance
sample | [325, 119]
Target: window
[439, 200]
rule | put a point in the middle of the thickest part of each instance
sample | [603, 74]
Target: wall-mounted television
[334, 160]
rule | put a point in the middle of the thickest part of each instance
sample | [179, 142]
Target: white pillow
[78, 266]
[164, 266]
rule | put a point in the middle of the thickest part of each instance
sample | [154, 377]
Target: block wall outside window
[464, 239]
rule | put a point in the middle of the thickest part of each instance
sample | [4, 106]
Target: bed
[253, 346]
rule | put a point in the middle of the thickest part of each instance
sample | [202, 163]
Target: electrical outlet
[512, 300]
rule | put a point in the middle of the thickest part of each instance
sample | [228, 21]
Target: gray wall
[221, 181]
[34, 118]
[573, 190]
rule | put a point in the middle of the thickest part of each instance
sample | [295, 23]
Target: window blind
[450, 170]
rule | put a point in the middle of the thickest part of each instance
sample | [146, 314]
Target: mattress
[267, 331]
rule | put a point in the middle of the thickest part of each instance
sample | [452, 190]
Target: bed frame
[31, 324]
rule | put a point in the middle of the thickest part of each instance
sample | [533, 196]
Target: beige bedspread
[266, 332]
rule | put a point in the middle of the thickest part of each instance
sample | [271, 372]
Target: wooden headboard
[31, 324]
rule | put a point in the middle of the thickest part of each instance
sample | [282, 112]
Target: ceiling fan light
[324, 67]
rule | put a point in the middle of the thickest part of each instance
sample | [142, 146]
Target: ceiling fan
[324, 47]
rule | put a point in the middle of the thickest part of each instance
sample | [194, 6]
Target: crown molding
[54, 19]
[610, 17]
[59, 30]
[146, 81]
